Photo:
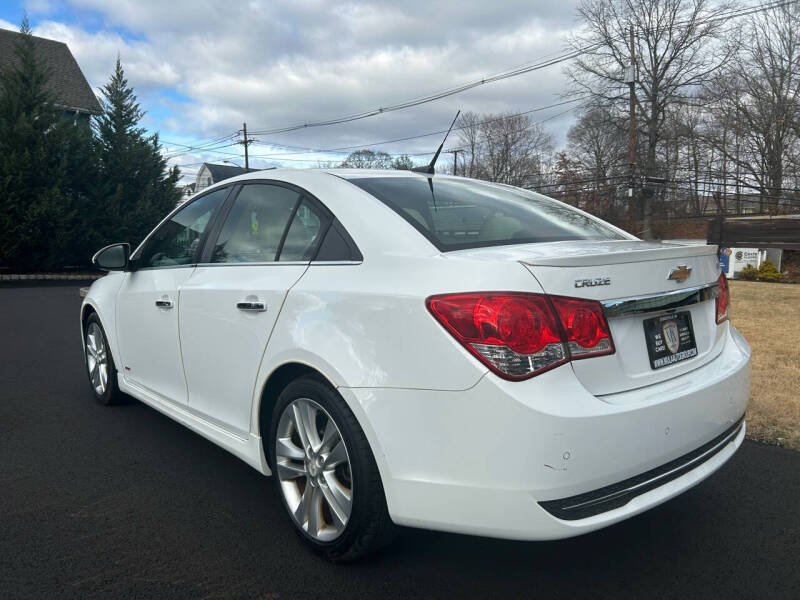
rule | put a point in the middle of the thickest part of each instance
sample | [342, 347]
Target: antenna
[429, 169]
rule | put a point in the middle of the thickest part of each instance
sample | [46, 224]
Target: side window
[337, 246]
[255, 225]
[303, 234]
[176, 241]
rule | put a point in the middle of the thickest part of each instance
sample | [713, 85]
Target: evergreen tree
[47, 172]
[32, 171]
[403, 163]
[138, 188]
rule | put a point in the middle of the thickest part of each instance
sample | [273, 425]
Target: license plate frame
[669, 339]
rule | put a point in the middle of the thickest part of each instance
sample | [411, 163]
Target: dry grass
[768, 315]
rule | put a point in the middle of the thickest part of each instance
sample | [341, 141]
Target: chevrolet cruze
[428, 351]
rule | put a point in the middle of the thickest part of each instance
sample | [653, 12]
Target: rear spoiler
[608, 256]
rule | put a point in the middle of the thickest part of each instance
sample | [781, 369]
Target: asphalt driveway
[122, 502]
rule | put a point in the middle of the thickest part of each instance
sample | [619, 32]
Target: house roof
[221, 172]
[67, 83]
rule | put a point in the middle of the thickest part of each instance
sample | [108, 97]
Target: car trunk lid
[636, 281]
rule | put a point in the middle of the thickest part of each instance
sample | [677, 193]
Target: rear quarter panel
[367, 325]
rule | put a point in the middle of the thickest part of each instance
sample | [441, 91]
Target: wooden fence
[768, 232]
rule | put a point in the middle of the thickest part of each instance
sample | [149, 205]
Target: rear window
[460, 213]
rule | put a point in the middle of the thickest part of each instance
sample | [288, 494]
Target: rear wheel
[325, 472]
[99, 363]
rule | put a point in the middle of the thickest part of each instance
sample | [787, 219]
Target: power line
[305, 150]
[280, 157]
[423, 100]
[735, 13]
[193, 150]
[537, 64]
[512, 72]
[506, 74]
[202, 144]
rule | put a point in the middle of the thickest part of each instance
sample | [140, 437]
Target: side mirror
[115, 257]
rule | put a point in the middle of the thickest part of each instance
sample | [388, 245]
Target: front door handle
[251, 306]
[164, 303]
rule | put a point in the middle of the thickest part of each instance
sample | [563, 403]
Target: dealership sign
[733, 260]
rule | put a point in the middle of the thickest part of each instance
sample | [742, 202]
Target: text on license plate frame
[669, 339]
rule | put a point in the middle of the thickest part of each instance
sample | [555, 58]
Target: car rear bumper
[504, 459]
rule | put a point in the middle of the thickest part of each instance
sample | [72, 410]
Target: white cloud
[97, 52]
[36, 7]
[279, 62]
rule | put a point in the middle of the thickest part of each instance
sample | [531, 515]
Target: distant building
[210, 173]
[69, 88]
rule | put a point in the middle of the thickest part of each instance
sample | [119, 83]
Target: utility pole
[630, 79]
[245, 141]
[455, 159]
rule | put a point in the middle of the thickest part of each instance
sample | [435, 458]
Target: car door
[229, 304]
[147, 301]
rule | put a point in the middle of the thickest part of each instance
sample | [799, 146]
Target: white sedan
[428, 351]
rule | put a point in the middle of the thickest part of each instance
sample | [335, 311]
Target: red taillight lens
[519, 335]
[723, 299]
[523, 324]
[585, 326]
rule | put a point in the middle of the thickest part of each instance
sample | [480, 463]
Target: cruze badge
[579, 283]
[680, 273]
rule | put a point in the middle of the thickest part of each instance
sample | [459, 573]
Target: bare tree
[675, 54]
[597, 144]
[505, 148]
[403, 163]
[469, 124]
[760, 94]
[367, 159]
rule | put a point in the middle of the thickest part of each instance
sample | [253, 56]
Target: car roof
[290, 174]
[360, 173]
[373, 225]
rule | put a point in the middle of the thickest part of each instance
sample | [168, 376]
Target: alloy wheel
[314, 469]
[96, 358]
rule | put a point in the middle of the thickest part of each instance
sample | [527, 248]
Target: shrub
[769, 272]
[750, 273]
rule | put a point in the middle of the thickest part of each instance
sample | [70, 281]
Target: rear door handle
[252, 306]
[164, 303]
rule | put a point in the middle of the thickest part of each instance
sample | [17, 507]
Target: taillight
[585, 327]
[521, 335]
[723, 299]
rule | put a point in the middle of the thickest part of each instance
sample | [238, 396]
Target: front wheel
[99, 363]
[326, 474]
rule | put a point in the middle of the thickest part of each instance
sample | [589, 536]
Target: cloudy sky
[202, 67]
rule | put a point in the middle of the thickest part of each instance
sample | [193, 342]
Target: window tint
[334, 246]
[176, 241]
[455, 214]
[337, 245]
[304, 232]
[255, 224]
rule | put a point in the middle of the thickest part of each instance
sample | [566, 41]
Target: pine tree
[34, 211]
[138, 188]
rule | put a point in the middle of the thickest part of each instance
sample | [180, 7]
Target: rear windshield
[460, 213]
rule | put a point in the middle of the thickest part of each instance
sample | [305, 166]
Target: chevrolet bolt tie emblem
[680, 273]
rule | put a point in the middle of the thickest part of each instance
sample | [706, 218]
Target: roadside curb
[49, 277]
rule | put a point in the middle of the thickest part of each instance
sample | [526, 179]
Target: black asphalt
[115, 502]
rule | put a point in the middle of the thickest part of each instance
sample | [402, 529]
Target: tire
[316, 480]
[100, 368]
